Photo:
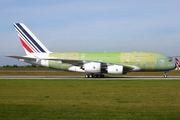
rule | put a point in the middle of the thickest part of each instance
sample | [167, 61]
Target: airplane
[94, 64]
[177, 64]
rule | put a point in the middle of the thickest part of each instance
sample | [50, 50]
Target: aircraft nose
[172, 66]
[176, 66]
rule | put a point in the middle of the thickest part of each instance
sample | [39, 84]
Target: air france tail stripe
[28, 43]
[26, 39]
[26, 46]
[32, 40]
[177, 61]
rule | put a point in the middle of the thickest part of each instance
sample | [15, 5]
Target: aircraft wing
[72, 62]
[22, 58]
[81, 62]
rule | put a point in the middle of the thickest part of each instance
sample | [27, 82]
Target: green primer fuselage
[143, 60]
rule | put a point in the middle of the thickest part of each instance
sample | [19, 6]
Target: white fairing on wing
[38, 59]
[115, 69]
[135, 68]
[92, 67]
[44, 63]
[76, 69]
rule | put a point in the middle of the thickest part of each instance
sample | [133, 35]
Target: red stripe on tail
[176, 59]
[177, 62]
[26, 46]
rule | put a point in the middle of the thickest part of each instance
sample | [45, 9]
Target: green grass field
[90, 99]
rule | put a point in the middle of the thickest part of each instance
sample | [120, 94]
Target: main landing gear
[92, 75]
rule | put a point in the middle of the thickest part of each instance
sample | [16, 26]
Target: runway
[83, 78]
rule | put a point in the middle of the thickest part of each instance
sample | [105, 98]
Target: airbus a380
[94, 64]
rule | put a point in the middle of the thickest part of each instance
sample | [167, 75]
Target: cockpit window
[170, 59]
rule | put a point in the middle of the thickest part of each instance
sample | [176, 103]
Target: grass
[81, 99]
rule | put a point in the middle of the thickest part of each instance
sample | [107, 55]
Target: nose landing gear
[165, 74]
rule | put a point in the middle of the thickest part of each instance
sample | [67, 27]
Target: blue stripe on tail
[32, 40]
[27, 40]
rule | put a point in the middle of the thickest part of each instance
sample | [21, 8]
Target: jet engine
[115, 69]
[92, 67]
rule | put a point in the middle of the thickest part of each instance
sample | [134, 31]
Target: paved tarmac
[83, 78]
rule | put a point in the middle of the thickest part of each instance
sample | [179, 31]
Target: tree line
[16, 66]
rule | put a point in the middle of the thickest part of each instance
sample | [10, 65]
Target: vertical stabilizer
[29, 41]
[177, 63]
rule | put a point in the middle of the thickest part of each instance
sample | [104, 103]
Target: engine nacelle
[92, 67]
[115, 69]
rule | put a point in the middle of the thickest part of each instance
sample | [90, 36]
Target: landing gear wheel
[87, 76]
[91, 75]
[165, 74]
[94, 76]
[101, 76]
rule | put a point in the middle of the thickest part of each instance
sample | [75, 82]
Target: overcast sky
[92, 25]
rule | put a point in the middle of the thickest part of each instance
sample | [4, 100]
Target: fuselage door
[138, 62]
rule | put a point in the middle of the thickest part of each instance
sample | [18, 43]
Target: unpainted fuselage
[142, 60]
